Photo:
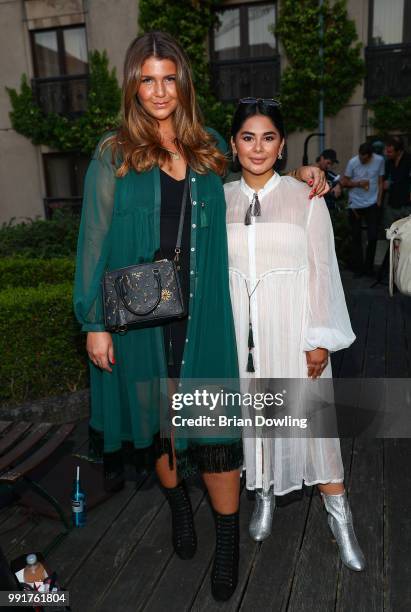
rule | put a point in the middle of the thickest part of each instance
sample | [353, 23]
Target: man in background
[364, 178]
[397, 181]
[325, 162]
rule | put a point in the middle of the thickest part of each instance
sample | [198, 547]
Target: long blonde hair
[137, 143]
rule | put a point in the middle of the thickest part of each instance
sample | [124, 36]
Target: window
[261, 40]
[244, 53]
[61, 68]
[227, 36]
[388, 55]
[390, 22]
[64, 174]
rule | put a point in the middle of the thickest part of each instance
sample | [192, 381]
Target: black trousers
[371, 215]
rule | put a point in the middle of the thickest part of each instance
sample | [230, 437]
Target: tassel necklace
[250, 360]
[253, 210]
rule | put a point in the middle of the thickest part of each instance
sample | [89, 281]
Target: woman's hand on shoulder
[315, 178]
[100, 349]
[317, 361]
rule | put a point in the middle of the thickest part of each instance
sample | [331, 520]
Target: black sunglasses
[267, 101]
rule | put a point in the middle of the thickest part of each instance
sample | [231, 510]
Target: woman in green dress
[130, 213]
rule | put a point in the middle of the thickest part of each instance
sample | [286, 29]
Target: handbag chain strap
[182, 214]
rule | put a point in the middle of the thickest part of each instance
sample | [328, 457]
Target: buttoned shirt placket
[253, 280]
[193, 262]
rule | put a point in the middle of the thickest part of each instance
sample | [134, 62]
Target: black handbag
[146, 294]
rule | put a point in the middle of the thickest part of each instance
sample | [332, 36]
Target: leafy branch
[302, 79]
[64, 133]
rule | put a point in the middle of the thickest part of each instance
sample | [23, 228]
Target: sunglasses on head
[267, 101]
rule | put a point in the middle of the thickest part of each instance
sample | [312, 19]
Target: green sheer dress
[120, 226]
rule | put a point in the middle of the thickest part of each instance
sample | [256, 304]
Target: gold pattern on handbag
[146, 294]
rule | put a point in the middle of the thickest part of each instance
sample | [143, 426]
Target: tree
[64, 133]
[391, 115]
[301, 82]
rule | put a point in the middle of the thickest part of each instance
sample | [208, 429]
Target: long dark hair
[138, 139]
[250, 109]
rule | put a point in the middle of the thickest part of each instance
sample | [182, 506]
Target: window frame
[244, 39]
[406, 27]
[71, 200]
[61, 51]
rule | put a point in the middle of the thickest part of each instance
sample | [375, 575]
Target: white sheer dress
[298, 305]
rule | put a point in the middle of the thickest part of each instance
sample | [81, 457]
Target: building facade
[49, 40]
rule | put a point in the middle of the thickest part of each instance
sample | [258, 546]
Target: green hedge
[23, 272]
[41, 346]
[40, 239]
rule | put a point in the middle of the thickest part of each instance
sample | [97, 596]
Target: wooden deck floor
[123, 560]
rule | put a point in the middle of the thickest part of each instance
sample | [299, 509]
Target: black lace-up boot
[184, 535]
[224, 575]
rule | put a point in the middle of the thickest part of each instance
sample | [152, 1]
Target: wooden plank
[397, 350]
[397, 524]
[272, 575]
[5, 513]
[77, 546]
[406, 313]
[337, 358]
[4, 425]
[16, 528]
[375, 354]
[18, 522]
[15, 532]
[131, 587]
[366, 500]
[112, 552]
[316, 575]
[41, 454]
[78, 439]
[72, 554]
[353, 359]
[37, 432]
[12, 435]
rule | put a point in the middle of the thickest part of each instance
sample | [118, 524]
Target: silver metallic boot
[341, 525]
[262, 518]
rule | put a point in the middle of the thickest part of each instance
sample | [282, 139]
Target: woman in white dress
[289, 313]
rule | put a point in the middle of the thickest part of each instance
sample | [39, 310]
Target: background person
[397, 181]
[364, 179]
[325, 162]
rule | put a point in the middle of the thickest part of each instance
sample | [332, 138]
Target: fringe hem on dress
[210, 458]
[196, 458]
[143, 459]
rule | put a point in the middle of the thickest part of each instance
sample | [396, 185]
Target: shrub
[64, 133]
[23, 272]
[391, 115]
[41, 346]
[338, 74]
[40, 239]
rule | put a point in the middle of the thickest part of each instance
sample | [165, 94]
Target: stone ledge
[67, 408]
